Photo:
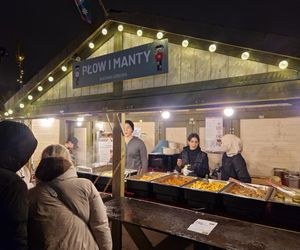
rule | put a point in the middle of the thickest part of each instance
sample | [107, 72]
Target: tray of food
[203, 193]
[168, 188]
[141, 184]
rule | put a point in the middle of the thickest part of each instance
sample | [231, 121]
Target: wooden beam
[138, 236]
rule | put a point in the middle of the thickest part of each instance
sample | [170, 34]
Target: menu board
[104, 150]
[213, 134]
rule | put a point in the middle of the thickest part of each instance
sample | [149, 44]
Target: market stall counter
[173, 221]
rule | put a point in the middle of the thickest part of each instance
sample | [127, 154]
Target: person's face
[69, 145]
[193, 143]
[127, 130]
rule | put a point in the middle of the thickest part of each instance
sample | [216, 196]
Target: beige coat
[53, 226]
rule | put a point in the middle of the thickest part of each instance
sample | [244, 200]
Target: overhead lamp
[185, 43]
[80, 119]
[10, 111]
[77, 58]
[6, 114]
[283, 64]
[120, 27]
[21, 105]
[100, 126]
[159, 35]
[245, 55]
[228, 111]
[30, 97]
[165, 114]
[91, 45]
[139, 32]
[104, 31]
[50, 79]
[79, 124]
[212, 48]
[40, 88]
[64, 68]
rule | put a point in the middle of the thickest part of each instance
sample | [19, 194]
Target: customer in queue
[65, 212]
[233, 163]
[136, 152]
[193, 161]
[17, 144]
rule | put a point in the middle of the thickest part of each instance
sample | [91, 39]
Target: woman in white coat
[66, 212]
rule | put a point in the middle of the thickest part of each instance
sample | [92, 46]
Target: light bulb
[245, 55]
[64, 68]
[50, 79]
[120, 27]
[283, 64]
[165, 114]
[21, 105]
[10, 111]
[185, 43]
[6, 114]
[104, 31]
[40, 88]
[159, 35]
[139, 32]
[228, 111]
[80, 119]
[212, 48]
[30, 97]
[91, 45]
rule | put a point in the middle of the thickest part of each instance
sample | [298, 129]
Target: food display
[110, 174]
[106, 173]
[175, 180]
[259, 193]
[214, 186]
[280, 197]
[150, 176]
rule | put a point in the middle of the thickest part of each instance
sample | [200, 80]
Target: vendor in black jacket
[192, 161]
[233, 163]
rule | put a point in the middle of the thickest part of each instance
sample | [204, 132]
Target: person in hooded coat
[233, 163]
[74, 219]
[17, 144]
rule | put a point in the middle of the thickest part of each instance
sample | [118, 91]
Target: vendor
[193, 161]
[136, 152]
[233, 163]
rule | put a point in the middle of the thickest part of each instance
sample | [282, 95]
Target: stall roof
[199, 35]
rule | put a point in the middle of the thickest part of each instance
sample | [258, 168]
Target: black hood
[52, 167]
[17, 144]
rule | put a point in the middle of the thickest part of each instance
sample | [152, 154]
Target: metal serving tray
[245, 206]
[205, 199]
[142, 187]
[168, 192]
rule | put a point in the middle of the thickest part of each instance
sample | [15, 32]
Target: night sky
[43, 28]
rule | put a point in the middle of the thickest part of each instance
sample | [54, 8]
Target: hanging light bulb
[139, 32]
[91, 45]
[212, 48]
[120, 27]
[228, 111]
[104, 31]
[50, 79]
[64, 68]
[245, 55]
[159, 35]
[185, 43]
[283, 64]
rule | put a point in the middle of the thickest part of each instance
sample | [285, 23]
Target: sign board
[144, 60]
[213, 133]
[202, 226]
[104, 150]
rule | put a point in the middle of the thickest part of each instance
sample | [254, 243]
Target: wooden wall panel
[271, 143]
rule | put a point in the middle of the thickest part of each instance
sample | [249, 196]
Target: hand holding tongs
[242, 184]
[285, 190]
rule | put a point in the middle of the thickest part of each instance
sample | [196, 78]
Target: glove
[185, 171]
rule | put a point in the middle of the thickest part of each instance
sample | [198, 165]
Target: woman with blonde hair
[233, 163]
[66, 212]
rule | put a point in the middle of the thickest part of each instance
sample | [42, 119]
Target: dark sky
[44, 28]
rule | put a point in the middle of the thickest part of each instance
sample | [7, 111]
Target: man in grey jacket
[136, 152]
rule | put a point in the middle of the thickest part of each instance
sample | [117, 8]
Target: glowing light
[139, 32]
[91, 45]
[79, 124]
[21, 105]
[6, 114]
[104, 31]
[228, 112]
[80, 119]
[165, 114]
[30, 97]
[159, 35]
[283, 64]
[212, 48]
[50, 79]
[120, 27]
[185, 43]
[100, 126]
[245, 55]
[10, 111]
[40, 88]
[64, 68]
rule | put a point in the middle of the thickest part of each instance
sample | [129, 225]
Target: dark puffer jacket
[17, 144]
[197, 159]
[234, 167]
